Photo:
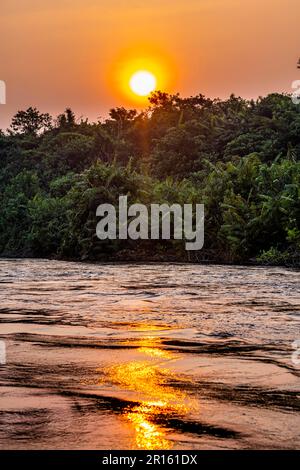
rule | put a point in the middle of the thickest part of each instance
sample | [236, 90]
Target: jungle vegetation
[238, 157]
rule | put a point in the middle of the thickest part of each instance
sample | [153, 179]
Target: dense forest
[240, 158]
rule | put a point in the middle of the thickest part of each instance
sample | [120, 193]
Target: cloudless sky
[59, 53]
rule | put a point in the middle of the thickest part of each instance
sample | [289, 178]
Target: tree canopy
[239, 157]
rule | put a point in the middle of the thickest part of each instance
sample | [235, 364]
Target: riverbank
[291, 260]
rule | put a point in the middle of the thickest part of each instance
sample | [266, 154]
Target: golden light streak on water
[150, 381]
[148, 435]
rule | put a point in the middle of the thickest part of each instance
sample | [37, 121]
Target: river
[156, 356]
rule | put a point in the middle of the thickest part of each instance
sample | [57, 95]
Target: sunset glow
[88, 51]
[142, 83]
[137, 72]
[149, 231]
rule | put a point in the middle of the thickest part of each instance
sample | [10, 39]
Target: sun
[142, 82]
[139, 70]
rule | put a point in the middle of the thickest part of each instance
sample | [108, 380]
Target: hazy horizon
[71, 53]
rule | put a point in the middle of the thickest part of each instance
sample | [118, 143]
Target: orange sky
[59, 53]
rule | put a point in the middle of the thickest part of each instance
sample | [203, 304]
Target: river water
[155, 356]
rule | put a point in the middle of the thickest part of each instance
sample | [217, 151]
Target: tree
[31, 121]
[67, 119]
[239, 158]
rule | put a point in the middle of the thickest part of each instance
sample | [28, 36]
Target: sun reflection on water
[148, 435]
[158, 399]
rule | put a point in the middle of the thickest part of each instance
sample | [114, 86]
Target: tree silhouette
[67, 119]
[30, 121]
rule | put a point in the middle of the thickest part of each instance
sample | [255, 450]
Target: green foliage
[240, 158]
[30, 121]
[15, 219]
[274, 257]
[48, 225]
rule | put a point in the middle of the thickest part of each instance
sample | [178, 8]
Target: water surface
[148, 356]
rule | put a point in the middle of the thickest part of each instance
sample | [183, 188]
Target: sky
[80, 53]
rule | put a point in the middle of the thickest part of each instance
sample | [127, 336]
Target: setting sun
[142, 83]
[137, 71]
